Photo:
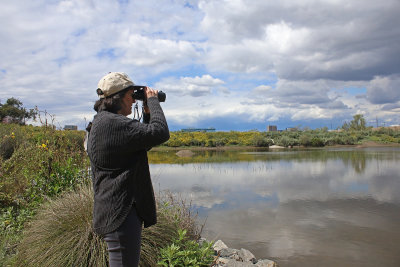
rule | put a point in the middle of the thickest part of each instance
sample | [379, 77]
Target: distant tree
[15, 112]
[345, 126]
[357, 124]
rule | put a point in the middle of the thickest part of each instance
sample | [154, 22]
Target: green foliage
[186, 252]
[14, 110]
[357, 124]
[357, 133]
[36, 163]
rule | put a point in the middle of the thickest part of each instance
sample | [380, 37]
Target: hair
[111, 103]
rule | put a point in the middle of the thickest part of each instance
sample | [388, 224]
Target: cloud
[391, 107]
[212, 58]
[299, 94]
[197, 86]
[335, 40]
[383, 90]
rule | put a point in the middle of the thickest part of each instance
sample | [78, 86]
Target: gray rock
[184, 153]
[222, 261]
[266, 263]
[246, 256]
[234, 263]
[219, 245]
[229, 253]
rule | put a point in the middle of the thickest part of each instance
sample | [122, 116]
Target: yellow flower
[12, 135]
[44, 146]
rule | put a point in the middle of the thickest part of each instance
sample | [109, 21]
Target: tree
[15, 112]
[357, 124]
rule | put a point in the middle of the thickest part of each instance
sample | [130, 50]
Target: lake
[317, 207]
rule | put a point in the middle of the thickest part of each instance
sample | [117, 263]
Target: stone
[266, 263]
[223, 261]
[245, 255]
[229, 253]
[219, 245]
[234, 263]
[184, 153]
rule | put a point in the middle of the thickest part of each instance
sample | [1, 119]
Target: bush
[61, 233]
[286, 141]
[317, 142]
[7, 147]
[186, 252]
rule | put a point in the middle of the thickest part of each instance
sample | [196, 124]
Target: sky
[232, 65]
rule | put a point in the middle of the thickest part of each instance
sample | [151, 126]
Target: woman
[117, 147]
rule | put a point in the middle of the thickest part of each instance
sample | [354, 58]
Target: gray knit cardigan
[117, 148]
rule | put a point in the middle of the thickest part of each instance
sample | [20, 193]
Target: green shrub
[317, 142]
[286, 141]
[185, 252]
[261, 141]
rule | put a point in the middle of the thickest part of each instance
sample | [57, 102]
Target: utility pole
[377, 122]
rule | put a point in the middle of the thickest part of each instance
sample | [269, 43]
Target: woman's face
[127, 102]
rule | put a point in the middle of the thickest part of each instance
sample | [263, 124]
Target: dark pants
[124, 243]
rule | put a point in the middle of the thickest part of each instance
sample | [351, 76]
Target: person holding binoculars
[117, 147]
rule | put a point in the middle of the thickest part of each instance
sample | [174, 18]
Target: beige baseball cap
[112, 83]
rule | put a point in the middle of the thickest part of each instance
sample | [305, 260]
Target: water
[325, 207]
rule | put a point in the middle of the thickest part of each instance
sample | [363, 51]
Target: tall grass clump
[61, 234]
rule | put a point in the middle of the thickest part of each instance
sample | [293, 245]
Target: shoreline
[237, 148]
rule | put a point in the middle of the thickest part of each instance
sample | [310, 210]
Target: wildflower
[12, 135]
[44, 146]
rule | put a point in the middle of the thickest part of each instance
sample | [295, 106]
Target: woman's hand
[149, 93]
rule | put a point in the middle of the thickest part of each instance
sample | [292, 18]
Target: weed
[186, 252]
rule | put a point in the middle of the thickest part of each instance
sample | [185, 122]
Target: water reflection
[302, 208]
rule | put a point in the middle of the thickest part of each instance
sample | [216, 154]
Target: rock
[222, 261]
[233, 263]
[266, 263]
[246, 256]
[229, 253]
[184, 153]
[276, 147]
[219, 245]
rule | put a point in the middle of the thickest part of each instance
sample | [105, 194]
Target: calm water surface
[328, 207]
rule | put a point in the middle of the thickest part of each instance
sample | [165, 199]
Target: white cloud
[248, 60]
[197, 86]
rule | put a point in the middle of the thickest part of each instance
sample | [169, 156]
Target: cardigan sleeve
[155, 132]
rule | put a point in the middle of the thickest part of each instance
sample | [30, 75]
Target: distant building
[211, 129]
[272, 128]
[70, 127]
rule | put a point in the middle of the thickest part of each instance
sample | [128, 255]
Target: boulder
[229, 253]
[234, 263]
[184, 153]
[246, 256]
[266, 263]
[219, 245]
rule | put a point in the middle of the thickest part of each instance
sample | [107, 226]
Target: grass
[61, 233]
